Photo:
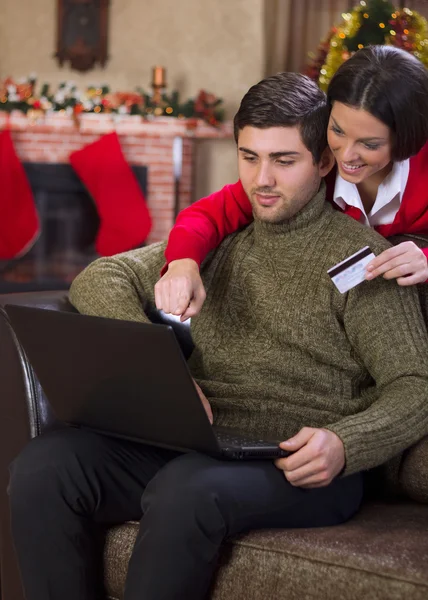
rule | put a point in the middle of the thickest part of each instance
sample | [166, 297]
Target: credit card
[351, 271]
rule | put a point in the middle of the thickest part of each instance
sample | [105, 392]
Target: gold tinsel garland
[407, 29]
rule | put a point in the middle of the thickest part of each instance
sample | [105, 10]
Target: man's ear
[326, 163]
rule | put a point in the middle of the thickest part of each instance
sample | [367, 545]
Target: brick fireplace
[165, 146]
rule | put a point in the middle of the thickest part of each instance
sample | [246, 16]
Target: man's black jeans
[68, 485]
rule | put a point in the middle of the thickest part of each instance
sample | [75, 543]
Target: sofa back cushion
[413, 477]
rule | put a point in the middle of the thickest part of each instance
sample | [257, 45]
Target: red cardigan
[201, 227]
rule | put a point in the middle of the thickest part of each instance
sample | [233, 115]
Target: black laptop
[125, 379]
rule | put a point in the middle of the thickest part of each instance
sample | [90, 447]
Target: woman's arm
[201, 227]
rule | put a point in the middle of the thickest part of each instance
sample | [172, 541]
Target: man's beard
[287, 207]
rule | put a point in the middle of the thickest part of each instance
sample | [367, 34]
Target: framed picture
[82, 37]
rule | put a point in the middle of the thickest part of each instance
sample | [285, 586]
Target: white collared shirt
[388, 199]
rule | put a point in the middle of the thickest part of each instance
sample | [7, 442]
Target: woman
[377, 132]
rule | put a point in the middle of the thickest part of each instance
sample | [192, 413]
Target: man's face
[277, 172]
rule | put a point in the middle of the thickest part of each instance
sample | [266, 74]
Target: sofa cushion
[380, 554]
[414, 472]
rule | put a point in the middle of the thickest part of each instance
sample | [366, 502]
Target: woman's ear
[326, 163]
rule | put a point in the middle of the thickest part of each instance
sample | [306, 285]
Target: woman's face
[361, 144]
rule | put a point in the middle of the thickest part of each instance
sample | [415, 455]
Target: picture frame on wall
[82, 33]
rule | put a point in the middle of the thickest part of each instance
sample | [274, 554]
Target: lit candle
[159, 76]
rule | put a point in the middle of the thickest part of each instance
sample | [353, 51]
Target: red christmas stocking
[19, 222]
[125, 218]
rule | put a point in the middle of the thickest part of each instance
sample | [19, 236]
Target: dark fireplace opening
[69, 224]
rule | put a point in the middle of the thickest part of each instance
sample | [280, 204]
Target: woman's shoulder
[420, 160]
[356, 235]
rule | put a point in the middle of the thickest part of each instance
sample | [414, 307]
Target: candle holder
[158, 84]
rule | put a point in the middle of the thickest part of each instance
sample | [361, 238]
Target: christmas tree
[372, 22]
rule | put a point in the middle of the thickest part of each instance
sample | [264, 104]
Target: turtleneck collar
[305, 217]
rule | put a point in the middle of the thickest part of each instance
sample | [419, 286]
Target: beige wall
[212, 44]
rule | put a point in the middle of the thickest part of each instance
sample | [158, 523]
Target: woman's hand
[405, 262]
[181, 291]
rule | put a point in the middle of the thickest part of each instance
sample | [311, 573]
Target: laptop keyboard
[227, 439]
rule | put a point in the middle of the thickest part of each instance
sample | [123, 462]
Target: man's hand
[205, 402]
[318, 456]
[181, 291]
[405, 262]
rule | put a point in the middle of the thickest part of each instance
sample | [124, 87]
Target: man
[341, 378]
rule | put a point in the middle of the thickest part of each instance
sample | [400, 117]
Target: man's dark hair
[392, 85]
[287, 100]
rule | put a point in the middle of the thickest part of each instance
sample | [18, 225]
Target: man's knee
[44, 464]
[191, 487]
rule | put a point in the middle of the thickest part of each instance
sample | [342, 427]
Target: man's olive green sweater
[277, 347]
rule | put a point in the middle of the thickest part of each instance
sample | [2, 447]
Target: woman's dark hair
[287, 100]
[392, 85]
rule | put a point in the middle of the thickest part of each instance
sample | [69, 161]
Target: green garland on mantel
[22, 96]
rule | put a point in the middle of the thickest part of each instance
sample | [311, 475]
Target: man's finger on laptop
[180, 298]
[191, 310]
[162, 294]
[295, 462]
[299, 440]
[158, 296]
[195, 305]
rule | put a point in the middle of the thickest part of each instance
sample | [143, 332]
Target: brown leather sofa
[381, 554]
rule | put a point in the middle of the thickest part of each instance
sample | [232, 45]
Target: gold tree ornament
[402, 28]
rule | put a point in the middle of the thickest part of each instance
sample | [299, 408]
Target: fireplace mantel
[52, 138]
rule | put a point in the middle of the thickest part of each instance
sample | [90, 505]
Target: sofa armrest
[24, 413]
[19, 387]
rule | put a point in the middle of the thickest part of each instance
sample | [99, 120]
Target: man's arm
[198, 229]
[119, 287]
[384, 324]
